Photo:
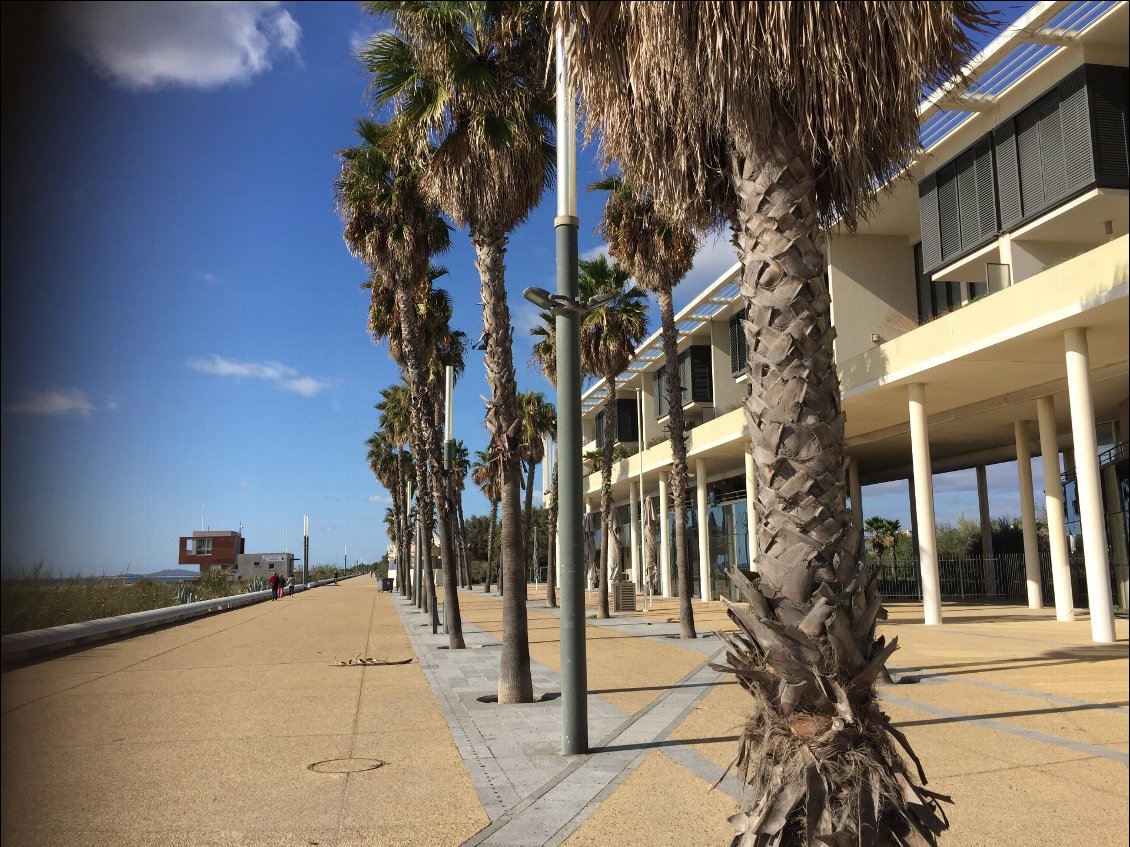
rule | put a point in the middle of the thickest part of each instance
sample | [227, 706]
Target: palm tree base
[819, 755]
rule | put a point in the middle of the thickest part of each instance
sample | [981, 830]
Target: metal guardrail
[37, 642]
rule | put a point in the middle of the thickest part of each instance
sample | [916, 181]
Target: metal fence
[996, 578]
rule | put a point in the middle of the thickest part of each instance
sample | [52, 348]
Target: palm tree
[395, 229]
[658, 251]
[778, 147]
[484, 473]
[538, 419]
[472, 77]
[609, 335]
[395, 407]
[545, 356]
[460, 467]
[383, 457]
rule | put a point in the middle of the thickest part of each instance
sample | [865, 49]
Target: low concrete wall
[38, 642]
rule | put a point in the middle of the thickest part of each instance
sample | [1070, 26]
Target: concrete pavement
[239, 729]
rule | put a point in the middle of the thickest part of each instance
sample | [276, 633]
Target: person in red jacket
[274, 583]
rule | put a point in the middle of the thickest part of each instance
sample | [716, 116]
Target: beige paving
[202, 733]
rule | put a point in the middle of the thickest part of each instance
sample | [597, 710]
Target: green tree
[537, 419]
[609, 335]
[485, 474]
[658, 251]
[545, 357]
[776, 119]
[472, 78]
[395, 229]
[395, 407]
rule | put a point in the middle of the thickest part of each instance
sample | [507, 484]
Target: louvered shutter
[1075, 120]
[1052, 162]
[967, 198]
[1008, 174]
[701, 383]
[986, 190]
[949, 219]
[600, 430]
[928, 213]
[1028, 159]
[1108, 89]
[627, 421]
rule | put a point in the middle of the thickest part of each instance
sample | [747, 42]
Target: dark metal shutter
[1108, 94]
[949, 219]
[967, 198]
[1008, 174]
[1052, 164]
[685, 376]
[660, 386]
[627, 421]
[1078, 159]
[1028, 159]
[928, 212]
[600, 430]
[701, 381]
[986, 190]
[739, 352]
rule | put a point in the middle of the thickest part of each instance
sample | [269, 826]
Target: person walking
[274, 583]
[290, 586]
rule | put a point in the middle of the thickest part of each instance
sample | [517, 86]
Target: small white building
[252, 565]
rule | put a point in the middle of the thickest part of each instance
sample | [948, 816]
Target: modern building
[225, 549]
[981, 315]
[209, 549]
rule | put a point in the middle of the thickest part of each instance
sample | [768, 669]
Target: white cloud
[145, 46]
[207, 277]
[56, 402]
[715, 256]
[280, 375]
[380, 499]
[360, 38]
[593, 252]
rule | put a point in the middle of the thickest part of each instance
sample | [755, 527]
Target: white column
[986, 531]
[634, 535]
[1028, 515]
[751, 509]
[1086, 450]
[664, 540]
[855, 491]
[927, 536]
[703, 530]
[1053, 503]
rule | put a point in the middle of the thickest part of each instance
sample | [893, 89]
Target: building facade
[981, 317]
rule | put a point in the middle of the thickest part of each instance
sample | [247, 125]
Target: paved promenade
[242, 729]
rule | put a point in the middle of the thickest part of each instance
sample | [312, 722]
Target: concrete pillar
[927, 536]
[1053, 503]
[664, 540]
[986, 532]
[703, 530]
[634, 535]
[1086, 451]
[1028, 515]
[751, 509]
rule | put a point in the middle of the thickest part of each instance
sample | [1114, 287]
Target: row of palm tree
[774, 120]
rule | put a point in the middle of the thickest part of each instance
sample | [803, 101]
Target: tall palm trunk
[811, 659]
[606, 498]
[528, 513]
[551, 541]
[400, 508]
[464, 553]
[423, 420]
[444, 514]
[514, 682]
[490, 544]
[678, 474]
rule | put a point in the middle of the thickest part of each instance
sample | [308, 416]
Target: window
[739, 352]
[695, 378]
[627, 423]
[203, 546]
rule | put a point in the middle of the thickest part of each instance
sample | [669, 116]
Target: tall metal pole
[448, 550]
[574, 682]
[305, 548]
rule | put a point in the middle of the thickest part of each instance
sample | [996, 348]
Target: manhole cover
[345, 765]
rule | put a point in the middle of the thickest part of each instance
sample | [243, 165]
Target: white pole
[924, 505]
[664, 539]
[1053, 504]
[1028, 515]
[449, 387]
[705, 588]
[1090, 491]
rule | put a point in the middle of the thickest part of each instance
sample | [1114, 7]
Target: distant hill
[173, 572]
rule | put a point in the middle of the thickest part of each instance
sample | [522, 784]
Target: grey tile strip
[929, 678]
[1001, 726]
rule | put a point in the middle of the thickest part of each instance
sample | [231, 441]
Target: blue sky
[183, 329]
